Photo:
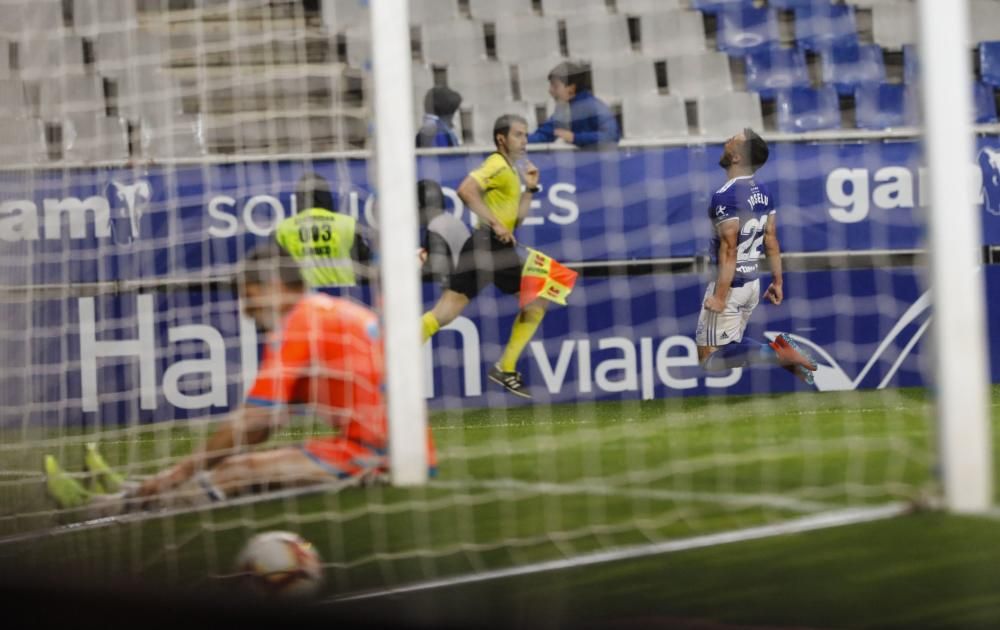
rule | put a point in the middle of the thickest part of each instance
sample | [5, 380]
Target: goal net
[148, 145]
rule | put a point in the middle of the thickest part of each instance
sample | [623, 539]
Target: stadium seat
[911, 65]
[715, 6]
[147, 95]
[89, 138]
[13, 99]
[481, 81]
[776, 68]
[985, 103]
[569, 8]
[129, 49]
[445, 43]
[802, 109]
[526, 38]
[177, 136]
[698, 75]
[22, 141]
[725, 114]
[637, 8]
[623, 76]
[71, 95]
[654, 116]
[4, 60]
[485, 114]
[672, 33]
[92, 17]
[36, 16]
[431, 11]
[55, 56]
[791, 5]
[846, 67]
[745, 29]
[533, 81]
[894, 24]
[985, 20]
[358, 42]
[493, 11]
[593, 35]
[884, 106]
[820, 26]
[989, 62]
[339, 15]
[423, 80]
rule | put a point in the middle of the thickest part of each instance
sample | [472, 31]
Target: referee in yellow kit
[493, 193]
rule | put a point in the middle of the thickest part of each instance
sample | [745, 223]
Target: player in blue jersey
[744, 219]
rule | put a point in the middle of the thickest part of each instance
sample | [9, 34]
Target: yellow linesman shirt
[501, 186]
[320, 241]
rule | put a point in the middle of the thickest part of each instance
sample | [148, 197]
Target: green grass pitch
[526, 485]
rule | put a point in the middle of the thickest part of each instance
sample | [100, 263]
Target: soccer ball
[280, 565]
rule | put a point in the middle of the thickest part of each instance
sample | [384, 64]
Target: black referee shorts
[485, 259]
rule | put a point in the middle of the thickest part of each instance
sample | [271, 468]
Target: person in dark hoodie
[580, 118]
[438, 130]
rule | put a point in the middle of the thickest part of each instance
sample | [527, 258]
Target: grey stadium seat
[567, 8]
[91, 17]
[699, 74]
[593, 35]
[493, 11]
[89, 138]
[176, 136]
[672, 33]
[27, 17]
[623, 76]
[132, 49]
[894, 24]
[13, 99]
[51, 56]
[71, 95]
[654, 116]
[527, 39]
[481, 81]
[447, 43]
[22, 141]
[644, 7]
[724, 114]
[341, 14]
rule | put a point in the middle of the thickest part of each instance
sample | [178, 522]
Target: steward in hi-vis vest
[326, 244]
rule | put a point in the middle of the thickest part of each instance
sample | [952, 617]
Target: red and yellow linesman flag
[543, 277]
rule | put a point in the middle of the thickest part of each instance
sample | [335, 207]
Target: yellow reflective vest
[320, 241]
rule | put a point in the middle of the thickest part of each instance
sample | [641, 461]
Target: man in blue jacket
[580, 117]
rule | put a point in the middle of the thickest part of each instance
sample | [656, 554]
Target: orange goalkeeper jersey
[328, 353]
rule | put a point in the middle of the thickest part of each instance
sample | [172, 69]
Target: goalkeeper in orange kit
[322, 351]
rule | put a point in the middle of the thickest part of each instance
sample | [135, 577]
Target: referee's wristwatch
[534, 189]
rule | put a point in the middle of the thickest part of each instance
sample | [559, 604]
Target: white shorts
[719, 329]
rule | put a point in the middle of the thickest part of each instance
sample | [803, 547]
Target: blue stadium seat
[819, 26]
[911, 65]
[714, 6]
[789, 5]
[776, 68]
[989, 62]
[985, 103]
[745, 29]
[884, 106]
[846, 67]
[807, 109]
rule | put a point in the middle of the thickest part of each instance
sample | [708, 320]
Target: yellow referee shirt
[501, 186]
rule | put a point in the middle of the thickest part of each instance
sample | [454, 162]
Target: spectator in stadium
[324, 352]
[743, 217]
[580, 117]
[442, 234]
[327, 244]
[493, 193]
[438, 128]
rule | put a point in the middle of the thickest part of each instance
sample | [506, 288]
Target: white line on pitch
[807, 523]
[731, 499]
